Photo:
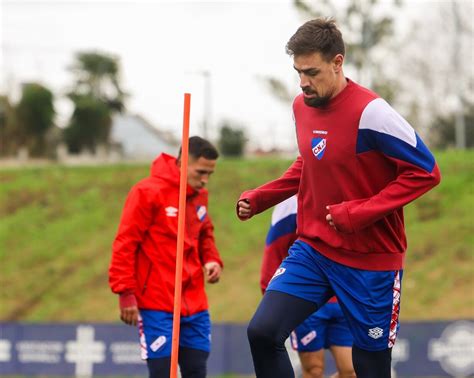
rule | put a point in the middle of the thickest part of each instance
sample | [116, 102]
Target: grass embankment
[57, 225]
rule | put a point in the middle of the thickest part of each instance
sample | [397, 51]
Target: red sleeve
[135, 221]
[276, 191]
[207, 246]
[411, 182]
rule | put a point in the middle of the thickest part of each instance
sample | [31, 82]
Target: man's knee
[312, 364]
[256, 333]
[263, 333]
[314, 371]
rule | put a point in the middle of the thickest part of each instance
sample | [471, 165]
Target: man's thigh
[301, 275]
[156, 330]
[195, 331]
[338, 331]
[370, 301]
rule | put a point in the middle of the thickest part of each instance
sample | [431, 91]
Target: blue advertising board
[423, 349]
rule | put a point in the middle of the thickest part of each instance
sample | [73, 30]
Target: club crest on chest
[318, 146]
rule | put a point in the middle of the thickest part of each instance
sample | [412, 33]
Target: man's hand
[129, 315]
[212, 270]
[244, 209]
[128, 308]
[329, 219]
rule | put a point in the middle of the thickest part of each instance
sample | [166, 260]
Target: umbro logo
[376, 333]
[171, 211]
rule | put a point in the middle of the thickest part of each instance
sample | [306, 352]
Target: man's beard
[317, 102]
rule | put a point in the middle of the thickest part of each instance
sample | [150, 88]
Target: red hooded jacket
[144, 250]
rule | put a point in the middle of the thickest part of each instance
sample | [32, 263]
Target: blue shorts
[370, 300]
[156, 328]
[325, 328]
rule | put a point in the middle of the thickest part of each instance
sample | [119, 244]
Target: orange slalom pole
[183, 182]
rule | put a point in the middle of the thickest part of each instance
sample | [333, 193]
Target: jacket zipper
[146, 278]
[184, 288]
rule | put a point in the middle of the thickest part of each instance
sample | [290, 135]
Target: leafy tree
[365, 30]
[443, 129]
[231, 140]
[35, 113]
[364, 27]
[440, 79]
[97, 75]
[89, 126]
[96, 95]
[10, 137]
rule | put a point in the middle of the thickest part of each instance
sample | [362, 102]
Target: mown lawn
[57, 225]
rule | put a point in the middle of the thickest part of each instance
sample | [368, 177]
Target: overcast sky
[163, 46]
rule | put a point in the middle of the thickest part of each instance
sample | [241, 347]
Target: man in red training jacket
[142, 269]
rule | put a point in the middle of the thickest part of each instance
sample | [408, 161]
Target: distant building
[137, 139]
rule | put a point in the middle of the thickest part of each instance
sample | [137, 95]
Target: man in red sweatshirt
[360, 162]
[142, 269]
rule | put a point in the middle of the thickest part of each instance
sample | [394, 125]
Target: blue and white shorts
[370, 300]
[325, 328]
[156, 328]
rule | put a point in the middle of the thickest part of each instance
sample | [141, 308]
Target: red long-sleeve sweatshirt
[362, 159]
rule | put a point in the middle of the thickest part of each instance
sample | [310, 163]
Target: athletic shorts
[370, 300]
[325, 328]
[156, 328]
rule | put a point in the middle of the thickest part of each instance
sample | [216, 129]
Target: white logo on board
[454, 349]
[84, 351]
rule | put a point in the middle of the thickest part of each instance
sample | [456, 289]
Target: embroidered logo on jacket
[171, 211]
[318, 145]
[201, 212]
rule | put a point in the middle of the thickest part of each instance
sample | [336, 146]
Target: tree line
[96, 95]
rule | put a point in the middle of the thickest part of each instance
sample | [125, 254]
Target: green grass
[58, 223]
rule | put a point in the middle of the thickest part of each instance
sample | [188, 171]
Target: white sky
[162, 45]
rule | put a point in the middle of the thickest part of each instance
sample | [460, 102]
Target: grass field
[57, 225]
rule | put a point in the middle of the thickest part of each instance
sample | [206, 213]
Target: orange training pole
[183, 181]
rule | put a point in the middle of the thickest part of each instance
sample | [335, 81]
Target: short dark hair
[320, 35]
[200, 147]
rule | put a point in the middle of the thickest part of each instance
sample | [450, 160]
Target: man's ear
[338, 62]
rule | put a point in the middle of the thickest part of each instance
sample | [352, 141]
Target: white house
[137, 139]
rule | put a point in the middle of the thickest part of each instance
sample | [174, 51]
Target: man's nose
[304, 82]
